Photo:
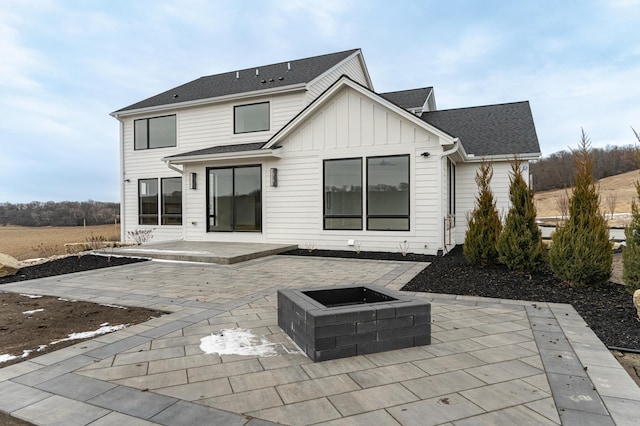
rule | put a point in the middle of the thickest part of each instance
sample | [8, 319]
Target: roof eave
[206, 101]
[257, 153]
[528, 156]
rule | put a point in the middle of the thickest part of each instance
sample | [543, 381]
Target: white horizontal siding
[197, 128]
[467, 192]
[352, 68]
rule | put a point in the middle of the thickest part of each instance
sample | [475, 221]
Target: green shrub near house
[520, 245]
[484, 223]
[581, 253]
[631, 252]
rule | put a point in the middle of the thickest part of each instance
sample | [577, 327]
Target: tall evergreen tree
[520, 245]
[581, 251]
[484, 223]
[631, 252]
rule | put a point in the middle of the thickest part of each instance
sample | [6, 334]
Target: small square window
[251, 118]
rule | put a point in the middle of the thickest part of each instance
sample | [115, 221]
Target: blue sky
[67, 64]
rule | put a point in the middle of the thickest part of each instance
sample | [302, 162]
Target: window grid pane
[172, 201]
[148, 201]
[388, 193]
[162, 132]
[343, 194]
[251, 118]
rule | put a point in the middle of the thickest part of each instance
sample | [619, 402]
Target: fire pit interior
[338, 322]
[347, 296]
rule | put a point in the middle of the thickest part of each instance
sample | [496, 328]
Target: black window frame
[408, 215]
[235, 109]
[147, 144]
[325, 216]
[233, 190]
[142, 215]
[164, 217]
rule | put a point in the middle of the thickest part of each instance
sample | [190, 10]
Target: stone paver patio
[491, 361]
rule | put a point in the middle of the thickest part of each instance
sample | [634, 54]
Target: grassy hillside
[621, 186]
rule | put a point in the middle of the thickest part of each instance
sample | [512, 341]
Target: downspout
[123, 231]
[456, 145]
[172, 167]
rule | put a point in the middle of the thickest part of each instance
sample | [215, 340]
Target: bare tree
[562, 204]
[610, 201]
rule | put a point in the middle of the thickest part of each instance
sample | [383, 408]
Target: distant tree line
[557, 170]
[65, 213]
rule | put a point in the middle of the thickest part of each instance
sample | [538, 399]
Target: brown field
[621, 186]
[33, 242]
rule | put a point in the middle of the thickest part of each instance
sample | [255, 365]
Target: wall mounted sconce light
[425, 154]
[192, 180]
[274, 177]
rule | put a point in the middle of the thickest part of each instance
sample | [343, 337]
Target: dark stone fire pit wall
[325, 333]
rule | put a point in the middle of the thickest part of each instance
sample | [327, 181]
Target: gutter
[221, 156]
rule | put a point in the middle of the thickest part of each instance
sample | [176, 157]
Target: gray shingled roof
[501, 129]
[274, 75]
[222, 149]
[408, 99]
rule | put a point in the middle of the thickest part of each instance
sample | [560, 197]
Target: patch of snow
[104, 329]
[108, 305]
[33, 311]
[7, 357]
[66, 300]
[31, 296]
[237, 341]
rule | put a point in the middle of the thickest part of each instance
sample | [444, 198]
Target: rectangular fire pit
[338, 322]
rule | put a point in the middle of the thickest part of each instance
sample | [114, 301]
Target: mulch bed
[67, 265]
[608, 309]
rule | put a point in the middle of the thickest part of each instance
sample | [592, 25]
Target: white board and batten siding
[351, 125]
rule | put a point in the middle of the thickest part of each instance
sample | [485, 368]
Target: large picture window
[234, 199]
[388, 193]
[251, 118]
[157, 132]
[343, 194]
[148, 201]
[172, 201]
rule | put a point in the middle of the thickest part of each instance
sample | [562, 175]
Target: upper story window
[251, 118]
[157, 132]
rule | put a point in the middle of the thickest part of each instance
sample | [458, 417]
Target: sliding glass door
[234, 199]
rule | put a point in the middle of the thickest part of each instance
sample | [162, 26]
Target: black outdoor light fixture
[192, 180]
[274, 177]
[425, 154]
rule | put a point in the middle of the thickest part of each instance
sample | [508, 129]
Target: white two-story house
[306, 152]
